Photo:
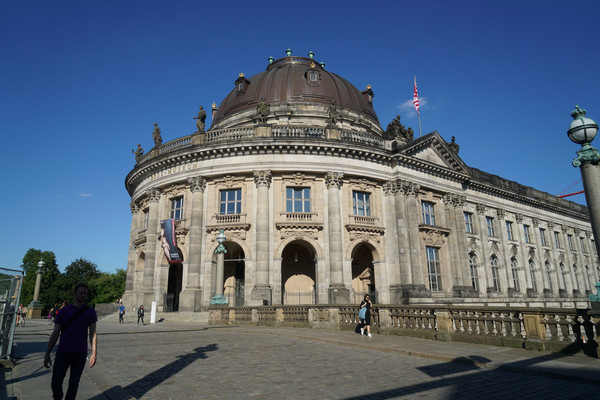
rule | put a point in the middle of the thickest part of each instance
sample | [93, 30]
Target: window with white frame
[473, 269]
[532, 275]
[527, 233]
[509, 231]
[433, 269]
[230, 202]
[361, 203]
[490, 226]
[177, 208]
[297, 200]
[428, 212]
[514, 268]
[469, 222]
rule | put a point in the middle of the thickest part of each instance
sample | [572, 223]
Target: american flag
[416, 96]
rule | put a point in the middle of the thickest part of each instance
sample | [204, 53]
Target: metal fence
[10, 296]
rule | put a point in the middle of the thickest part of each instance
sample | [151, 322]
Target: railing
[175, 145]
[229, 135]
[553, 330]
[230, 218]
[298, 131]
[363, 138]
[363, 220]
[298, 216]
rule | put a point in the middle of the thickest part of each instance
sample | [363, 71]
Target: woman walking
[141, 314]
[365, 307]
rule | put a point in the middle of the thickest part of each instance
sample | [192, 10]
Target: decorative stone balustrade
[539, 329]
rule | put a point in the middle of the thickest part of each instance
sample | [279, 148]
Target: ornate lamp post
[35, 307]
[218, 298]
[582, 131]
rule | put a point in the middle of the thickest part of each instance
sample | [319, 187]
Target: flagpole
[419, 115]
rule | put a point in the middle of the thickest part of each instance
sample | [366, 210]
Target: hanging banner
[168, 241]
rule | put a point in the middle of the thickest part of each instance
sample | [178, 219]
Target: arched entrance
[363, 273]
[234, 274]
[298, 277]
[174, 286]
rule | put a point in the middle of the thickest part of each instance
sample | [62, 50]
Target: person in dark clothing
[141, 314]
[366, 322]
[72, 324]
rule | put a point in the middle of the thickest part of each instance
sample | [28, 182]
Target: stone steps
[181, 316]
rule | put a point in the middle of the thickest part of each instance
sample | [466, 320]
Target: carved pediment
[432, 149]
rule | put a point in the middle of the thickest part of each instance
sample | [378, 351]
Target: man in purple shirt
[72, 325]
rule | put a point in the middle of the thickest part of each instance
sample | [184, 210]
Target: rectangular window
[490, 226]
[231, 202]
[570, 242]
[433, 269]
[469, 222]
[297, 200]
[557, 240]
[146, 218]
[543, 237]
[527, 235]
[582, 245]
[361, 204]
[428, 212]
[509, 231]
[177, 208]
[473, 268]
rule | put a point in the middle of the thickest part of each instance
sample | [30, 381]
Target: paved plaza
[181, 361]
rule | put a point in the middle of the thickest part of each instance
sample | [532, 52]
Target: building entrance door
[174, 287]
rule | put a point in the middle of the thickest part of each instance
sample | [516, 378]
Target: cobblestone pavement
[191, 362]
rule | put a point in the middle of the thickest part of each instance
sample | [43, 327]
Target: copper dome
[293, 81]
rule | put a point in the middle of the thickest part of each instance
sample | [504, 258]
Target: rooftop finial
[241, 75]
[322, 64]
[578, 112]
[288, 52]
[271, 59]
[311, 55]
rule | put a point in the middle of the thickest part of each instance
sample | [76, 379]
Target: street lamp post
[582, 131]
[35, 307]
[219, 298]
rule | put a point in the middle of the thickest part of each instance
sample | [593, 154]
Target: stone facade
[321, 210]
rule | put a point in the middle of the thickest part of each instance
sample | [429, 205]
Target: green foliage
[57, 287]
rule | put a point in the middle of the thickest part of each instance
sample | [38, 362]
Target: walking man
[72, 325]
[121, 313]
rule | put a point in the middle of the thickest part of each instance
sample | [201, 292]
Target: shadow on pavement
[143, 385]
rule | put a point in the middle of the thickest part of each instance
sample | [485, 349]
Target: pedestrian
[121, 313]
[53, 312]
[365, 307]
[141, 314]
[72, 325]
[21, 313]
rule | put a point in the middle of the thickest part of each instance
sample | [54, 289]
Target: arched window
[514, 268]
[495, 273]
[548, 274]
[575, 280]
[588, 276]
[564, 273]
[532, 275]
[473, 268]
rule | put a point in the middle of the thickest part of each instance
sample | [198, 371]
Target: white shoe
[362, 331]
[368, 334]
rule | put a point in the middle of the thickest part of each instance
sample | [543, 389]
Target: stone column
[413, 218]
[457, 245]
[261, 293]
[152, 236]
[483, 238]
[338, 293]
[190, 299]
[390, 240]
[541, 276]
[132, 255]
[405, 272]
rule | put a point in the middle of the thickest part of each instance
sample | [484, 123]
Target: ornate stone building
[320, 205]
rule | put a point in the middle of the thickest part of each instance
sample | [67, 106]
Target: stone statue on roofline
[396, 130]
[139, 153]
[333, 113]
[200, 120]
[263, 109]
[453, 146]
[156, 135]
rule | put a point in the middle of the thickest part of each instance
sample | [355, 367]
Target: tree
[50, 274]
[108, 287]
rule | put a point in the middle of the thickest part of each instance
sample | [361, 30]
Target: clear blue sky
[82, 82]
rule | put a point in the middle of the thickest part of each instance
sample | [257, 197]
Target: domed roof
[292, 81]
